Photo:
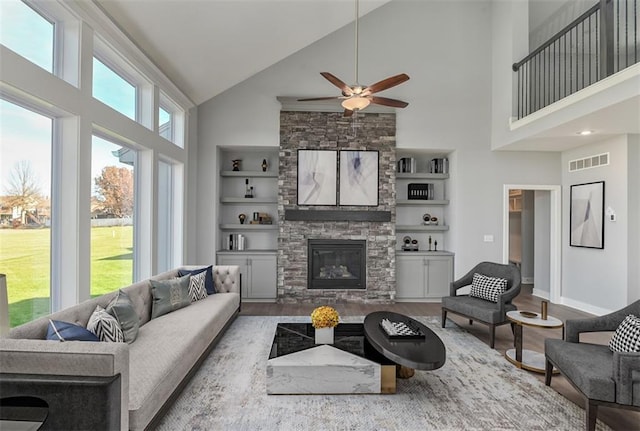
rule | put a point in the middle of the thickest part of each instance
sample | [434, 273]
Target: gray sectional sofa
[117, 385]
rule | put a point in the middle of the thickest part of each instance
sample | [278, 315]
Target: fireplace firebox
[337, 264]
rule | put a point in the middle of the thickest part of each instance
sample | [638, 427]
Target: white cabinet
[423, 275]
[259, 272]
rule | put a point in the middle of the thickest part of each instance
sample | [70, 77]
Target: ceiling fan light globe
[355, 103]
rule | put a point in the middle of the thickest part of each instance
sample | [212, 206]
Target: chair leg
[492, 335]
[444, 316]
[548, 372]
[591, 411]
[470, 322]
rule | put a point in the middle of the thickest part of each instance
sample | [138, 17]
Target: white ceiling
[208, 46]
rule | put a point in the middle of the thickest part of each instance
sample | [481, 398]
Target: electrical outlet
[488, 238]
[612, 217]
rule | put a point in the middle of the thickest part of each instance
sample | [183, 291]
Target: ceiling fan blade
[386, 83]
[347, 113]
[346, 90]
[387, 102]
[319, 98]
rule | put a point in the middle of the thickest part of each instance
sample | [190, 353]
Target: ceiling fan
[356, 97]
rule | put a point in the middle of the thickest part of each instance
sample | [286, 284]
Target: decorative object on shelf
[587, 215]
[434, 221]
[409, 244]
[420, 191]
[435, 245]
[324, 319]
[242, 218]
[261, 218]
[400, 330]
[317, 177]
[264, 165]
[429, 242]
[236, 164]
[359, 178]
[426, 219]
[544, 305]
[256, 216]
[248, 193]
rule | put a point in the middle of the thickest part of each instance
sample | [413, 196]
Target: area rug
[476, 389]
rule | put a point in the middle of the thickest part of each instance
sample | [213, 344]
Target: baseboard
[527, 280]
[588, 308]
[540, 293]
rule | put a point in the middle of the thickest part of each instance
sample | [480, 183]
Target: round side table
[528, 359]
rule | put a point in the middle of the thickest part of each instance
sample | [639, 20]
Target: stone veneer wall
[329, 130]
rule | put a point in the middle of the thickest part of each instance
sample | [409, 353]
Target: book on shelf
[236, 241]
[439, 166]
[420, 191]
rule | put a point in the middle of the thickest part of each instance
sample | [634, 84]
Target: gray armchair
[487, 312]
[603, 377]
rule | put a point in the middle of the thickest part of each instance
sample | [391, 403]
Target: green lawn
[25, 259]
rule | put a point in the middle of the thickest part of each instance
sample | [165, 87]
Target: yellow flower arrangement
[324, 317]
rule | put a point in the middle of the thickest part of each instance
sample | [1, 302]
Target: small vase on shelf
[324, 335]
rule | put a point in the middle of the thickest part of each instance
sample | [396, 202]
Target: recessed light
[585, 132]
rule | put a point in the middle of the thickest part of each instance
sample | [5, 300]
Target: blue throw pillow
[65, 331]
[208, 279]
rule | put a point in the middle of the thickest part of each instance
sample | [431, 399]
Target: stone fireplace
[373, 226]
[336, 264]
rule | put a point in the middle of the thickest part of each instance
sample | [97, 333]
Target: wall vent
[594, 161]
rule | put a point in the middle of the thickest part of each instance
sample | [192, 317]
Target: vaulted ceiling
[208, 46]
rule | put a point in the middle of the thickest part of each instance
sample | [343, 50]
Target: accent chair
[603, 377]
[488, 312]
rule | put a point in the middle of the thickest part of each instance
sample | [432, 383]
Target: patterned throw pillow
[488, 288]
[208, 282]
[65, 331]
[105, 326]
[169, 295]
[627, 336]
[197, 291]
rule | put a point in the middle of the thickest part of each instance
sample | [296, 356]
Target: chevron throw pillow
[197, 290]
[105, 326]
[627, 336]
[487, 288]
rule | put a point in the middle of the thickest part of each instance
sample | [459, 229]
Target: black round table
[421, 354]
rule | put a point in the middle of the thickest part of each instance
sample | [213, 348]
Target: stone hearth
[330, 131]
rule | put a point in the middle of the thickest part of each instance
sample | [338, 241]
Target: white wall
[633, 164]
[592, 279]
[450, 109]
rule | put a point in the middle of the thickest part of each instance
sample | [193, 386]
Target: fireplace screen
[337, 264]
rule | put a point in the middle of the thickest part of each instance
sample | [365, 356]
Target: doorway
[531, 235]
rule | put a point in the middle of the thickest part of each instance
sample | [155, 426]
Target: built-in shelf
[421, 176]
[422, 202]
[248, 201]
[421, 228]
[238, 226]
[249, 174]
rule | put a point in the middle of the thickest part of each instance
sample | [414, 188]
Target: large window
[113, 90]
[26, 32]
[112, 208]
[25, 210]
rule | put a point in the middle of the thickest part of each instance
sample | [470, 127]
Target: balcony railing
[600, 42]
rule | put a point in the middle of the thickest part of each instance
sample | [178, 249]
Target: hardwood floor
[617, 419]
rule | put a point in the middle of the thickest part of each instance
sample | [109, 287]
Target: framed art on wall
[586, 217]
[359, 178]
[317, 177]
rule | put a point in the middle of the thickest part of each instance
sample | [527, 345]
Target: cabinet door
[439, 276]
[263, 276]
[410, 277]
[243, 263]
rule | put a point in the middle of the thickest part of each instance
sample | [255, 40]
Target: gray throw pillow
[169, 295]
[122, 309]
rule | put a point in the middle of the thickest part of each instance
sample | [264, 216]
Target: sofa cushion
[208, 284]
[197, 291]
[121, 308]
[588, 366]
[627, 336]
[105, 326]
[169, 295]
[488, 288]
[65, 331]
[168, 347]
